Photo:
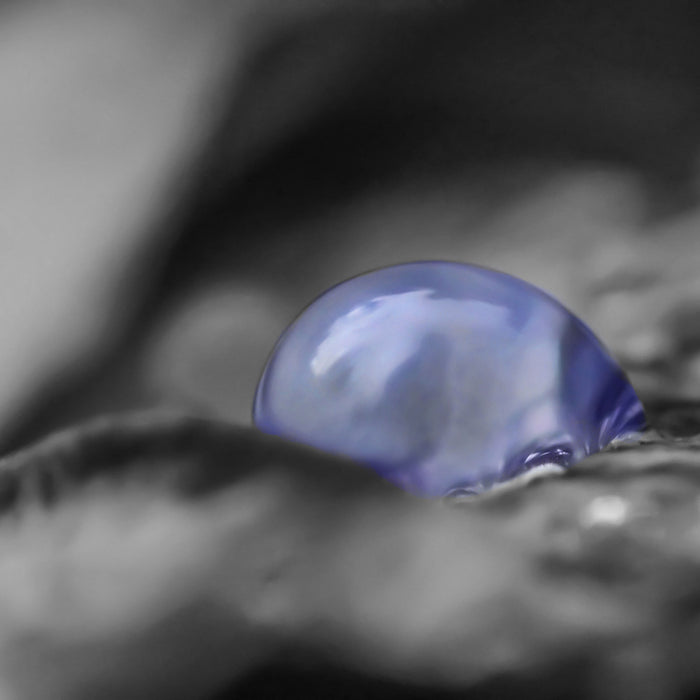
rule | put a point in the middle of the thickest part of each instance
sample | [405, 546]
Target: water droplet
[442, 376]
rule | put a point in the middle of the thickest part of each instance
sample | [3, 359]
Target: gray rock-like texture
[141, 541]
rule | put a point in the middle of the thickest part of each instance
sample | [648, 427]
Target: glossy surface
[444, 377]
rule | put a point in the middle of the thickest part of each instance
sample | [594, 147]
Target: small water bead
[445, 377]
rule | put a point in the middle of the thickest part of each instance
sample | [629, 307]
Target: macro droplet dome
[444, 377]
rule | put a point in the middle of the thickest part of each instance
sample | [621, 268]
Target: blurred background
[178, 178]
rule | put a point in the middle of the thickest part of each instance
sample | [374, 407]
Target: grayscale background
[178, 178]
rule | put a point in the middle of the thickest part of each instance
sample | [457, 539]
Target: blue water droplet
[442, 375]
